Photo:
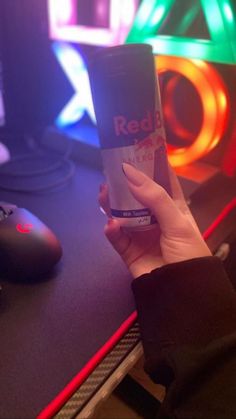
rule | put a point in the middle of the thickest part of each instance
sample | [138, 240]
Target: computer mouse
[28, 248]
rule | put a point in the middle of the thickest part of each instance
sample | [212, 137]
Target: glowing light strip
[60, 13]
[169, 110]
[228, 164]
[74, 67]
[53, 407]
[214, 100]
[188, 18]
[220, 19]
[64, 27]
[185, 47]
[218, 220]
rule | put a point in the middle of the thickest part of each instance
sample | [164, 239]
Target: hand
[175, 239]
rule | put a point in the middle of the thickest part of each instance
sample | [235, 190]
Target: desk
[51, 330]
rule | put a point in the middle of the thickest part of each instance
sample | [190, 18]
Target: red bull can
[127, 105]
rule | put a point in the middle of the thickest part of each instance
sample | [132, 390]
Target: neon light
[149, 18]
[188, 18]
[60, 13]
[229, 159]
[122, 13]
[213, 96]
[228, 12]
[218, 220]
[54, 406]
[220, 19]
[204, 78]
[128, 13]
[74, 67]
[64, 11]
[170, 115]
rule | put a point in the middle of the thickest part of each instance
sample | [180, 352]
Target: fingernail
[102, 210]
[133, 175]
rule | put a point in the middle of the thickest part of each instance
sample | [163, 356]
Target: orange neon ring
[169, 110]
[214, 99]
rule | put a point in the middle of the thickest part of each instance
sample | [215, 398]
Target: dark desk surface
[50, 330]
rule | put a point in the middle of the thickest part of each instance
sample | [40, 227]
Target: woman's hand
[175, 239]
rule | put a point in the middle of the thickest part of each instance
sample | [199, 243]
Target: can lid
[123, 49]
[119, 59]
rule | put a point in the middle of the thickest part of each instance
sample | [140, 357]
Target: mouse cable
[7, 170]
[49, 186]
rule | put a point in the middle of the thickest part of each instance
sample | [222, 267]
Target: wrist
[139, 268]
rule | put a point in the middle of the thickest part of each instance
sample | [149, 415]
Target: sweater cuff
[189, 302]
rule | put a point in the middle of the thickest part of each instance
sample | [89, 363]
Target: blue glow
[75, 69]
[84, 133]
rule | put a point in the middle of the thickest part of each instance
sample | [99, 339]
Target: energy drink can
[127, 105]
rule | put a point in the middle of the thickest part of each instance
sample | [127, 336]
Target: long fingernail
[102, 210]
[133, 175]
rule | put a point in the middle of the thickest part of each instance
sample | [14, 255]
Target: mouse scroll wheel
[4, 213]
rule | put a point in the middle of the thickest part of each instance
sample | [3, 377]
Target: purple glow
[62, 19]
[101, 12]
[2, 113]
[61, 13]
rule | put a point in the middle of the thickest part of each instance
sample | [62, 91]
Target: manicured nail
[133, 175]
[102, 210]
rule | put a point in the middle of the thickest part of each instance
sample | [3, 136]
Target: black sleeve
[187, 317]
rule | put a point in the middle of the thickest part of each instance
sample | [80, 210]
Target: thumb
[154, 197]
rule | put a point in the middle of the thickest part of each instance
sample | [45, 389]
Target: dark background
[36, 89]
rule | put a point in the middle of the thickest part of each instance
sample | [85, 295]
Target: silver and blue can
[127, 105]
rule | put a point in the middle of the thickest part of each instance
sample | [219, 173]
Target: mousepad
[50, 330]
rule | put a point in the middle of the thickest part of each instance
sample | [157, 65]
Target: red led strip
[56, 404]
[53, 407]
[229, 207]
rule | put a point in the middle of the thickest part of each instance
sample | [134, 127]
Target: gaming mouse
[28, 248]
